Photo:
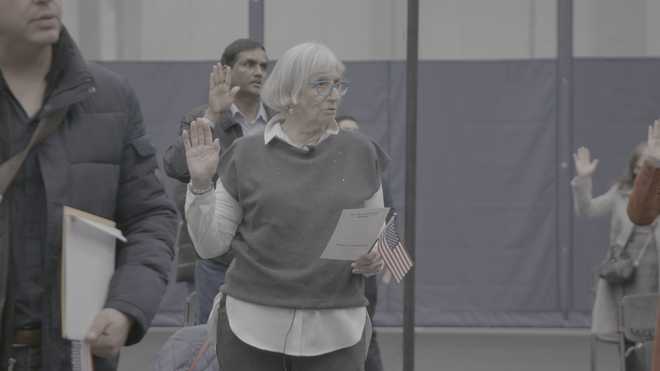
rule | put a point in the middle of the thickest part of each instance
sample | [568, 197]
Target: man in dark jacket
[98, 160]
[235, 109]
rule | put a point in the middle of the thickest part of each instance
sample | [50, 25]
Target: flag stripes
[393, 252]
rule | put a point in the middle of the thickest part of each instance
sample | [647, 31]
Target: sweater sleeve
[212, 221]
[585, 204]
[213, 217]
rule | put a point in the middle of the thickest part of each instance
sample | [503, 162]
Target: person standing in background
[234, 110]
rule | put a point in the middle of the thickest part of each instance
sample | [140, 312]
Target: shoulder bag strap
[8, 169]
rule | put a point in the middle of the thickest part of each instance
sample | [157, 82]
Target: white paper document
[355, 234]
[88, 263]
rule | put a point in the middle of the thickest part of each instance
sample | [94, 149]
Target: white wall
[486, 29]
[70, 16]
[170, 30]
[652, 23]
[185, 30]
[362, 29]
[354, 29]
[610, 27]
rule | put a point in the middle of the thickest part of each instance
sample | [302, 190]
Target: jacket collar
[69, 78]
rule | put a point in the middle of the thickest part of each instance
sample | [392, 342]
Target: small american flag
[391, 249]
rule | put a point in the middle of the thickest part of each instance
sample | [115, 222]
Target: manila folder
[88, 263]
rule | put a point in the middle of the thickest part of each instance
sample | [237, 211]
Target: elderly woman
[276, 203]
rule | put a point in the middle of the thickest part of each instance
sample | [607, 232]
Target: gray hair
[294, 69]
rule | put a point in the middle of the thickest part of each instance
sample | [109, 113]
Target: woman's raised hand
[202, 153]
[583, 164]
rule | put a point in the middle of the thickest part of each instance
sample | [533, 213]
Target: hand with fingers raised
[221, 94]
[583, 164]
[202, 154]
[653, 142]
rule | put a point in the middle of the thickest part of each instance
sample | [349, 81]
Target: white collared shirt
[212, 221]
[252, 127]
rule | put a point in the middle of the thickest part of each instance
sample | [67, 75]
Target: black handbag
[619, 267]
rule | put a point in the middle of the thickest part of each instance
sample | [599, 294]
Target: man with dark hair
[232, 51]
[92, 154]
[234, 109]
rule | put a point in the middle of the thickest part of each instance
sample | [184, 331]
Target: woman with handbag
[631, 263]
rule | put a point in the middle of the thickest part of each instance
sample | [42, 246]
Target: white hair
[294, 69]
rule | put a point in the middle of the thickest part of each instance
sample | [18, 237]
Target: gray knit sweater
[291, 200]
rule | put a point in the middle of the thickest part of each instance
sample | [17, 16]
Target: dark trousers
[235, 355]
[374, 362]
[27, 358]
[24, 358]
[209, 276]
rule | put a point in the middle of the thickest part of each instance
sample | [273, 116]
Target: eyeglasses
[324, 87]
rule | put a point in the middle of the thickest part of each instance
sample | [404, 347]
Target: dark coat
[99, 161]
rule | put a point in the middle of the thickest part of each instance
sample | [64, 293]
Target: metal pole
[412, 61]
[564, 220]
[256, 20]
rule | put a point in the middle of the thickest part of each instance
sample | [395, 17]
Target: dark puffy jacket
[99, 161]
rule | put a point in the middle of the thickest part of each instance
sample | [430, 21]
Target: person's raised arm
[644, 203]
[202, 155]
[220, 97]
[212, 215]
[221, 94]
[584, 202]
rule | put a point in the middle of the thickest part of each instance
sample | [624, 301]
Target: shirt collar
[274, 130]
[261, 114]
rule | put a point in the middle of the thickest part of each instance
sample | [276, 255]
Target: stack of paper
[88, 263]
[81, 356]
